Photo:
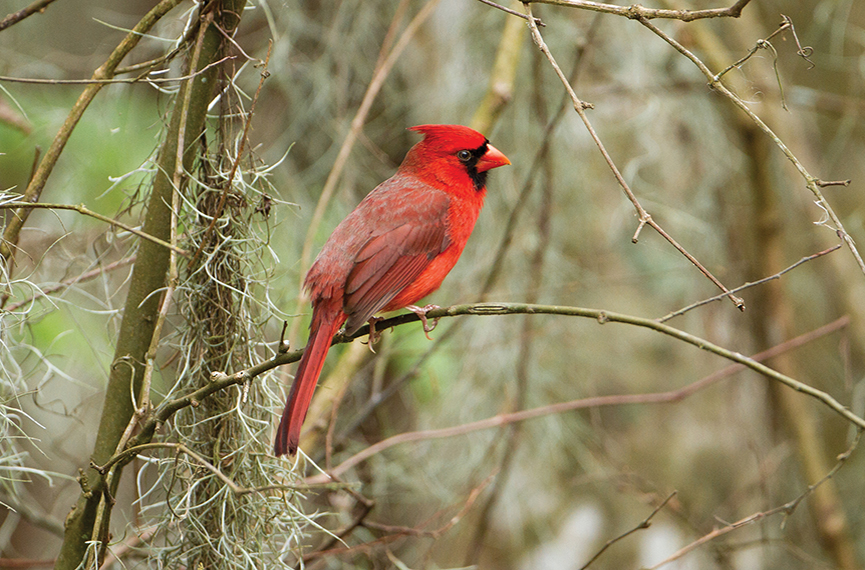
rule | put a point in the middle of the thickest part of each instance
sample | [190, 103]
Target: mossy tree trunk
[148, 278]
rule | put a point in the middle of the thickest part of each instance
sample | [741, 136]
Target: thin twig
[39, 6]
[646, 523]
[811, 181]
[618, 400]
[806, 259]
[82, 209]
[635, 11]
[824, 183]
[786, 509]
[140, 79]
[645, 218]
[761, 44]
[511, 12]
[803, 52]
[840, 461]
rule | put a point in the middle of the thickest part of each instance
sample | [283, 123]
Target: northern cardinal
[395, 248]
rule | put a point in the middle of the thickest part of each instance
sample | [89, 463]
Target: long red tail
[321, 332]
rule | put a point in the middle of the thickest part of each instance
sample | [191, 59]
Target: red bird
[395, 248]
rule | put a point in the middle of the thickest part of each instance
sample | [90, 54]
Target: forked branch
[645, 218]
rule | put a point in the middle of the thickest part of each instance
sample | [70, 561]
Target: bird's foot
[374, 335]
[421, 312]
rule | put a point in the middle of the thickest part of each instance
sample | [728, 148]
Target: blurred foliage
[577, 479]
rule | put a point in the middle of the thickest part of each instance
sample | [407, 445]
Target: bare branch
[659, 397]
[140, 79]
[46, 166]
[646, 523]
[812, 182]
[645, 218]
[786, 509]
[806, 259]
[635, 11]
[39, 6]
[221, 381]
[82, 209]
[511, 12]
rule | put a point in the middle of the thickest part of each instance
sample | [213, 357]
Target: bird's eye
[464, 155]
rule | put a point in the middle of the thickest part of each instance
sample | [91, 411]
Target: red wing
[387, 263]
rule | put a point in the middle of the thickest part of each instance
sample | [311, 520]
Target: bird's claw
[421, 312]
[374, 335]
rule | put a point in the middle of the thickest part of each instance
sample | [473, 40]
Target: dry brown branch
[824, 183]
[646, 523]
[84, 210]
[812, 182]
[140, 79]
[786, 509]
[763, 43]
[46, 166]
[778, 275]
[39, 6]
[511, 12]
[644, 217]
[635, 11]
[598, 401]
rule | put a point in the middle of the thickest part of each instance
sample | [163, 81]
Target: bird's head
[457, 157]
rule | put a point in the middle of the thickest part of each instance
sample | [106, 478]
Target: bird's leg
[421, 313]
[374, 335]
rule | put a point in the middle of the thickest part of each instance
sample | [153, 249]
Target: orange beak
[493, 158]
